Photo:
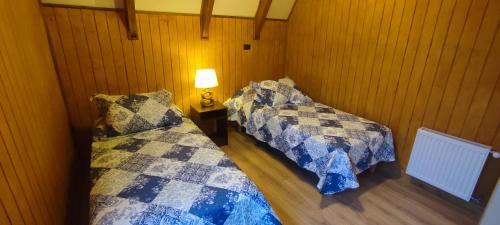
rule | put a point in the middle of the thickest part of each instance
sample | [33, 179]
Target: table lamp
[206, 79]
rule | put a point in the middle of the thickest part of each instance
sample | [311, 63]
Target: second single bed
[333, 144]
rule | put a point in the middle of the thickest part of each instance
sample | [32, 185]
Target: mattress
[333, 144]
[171, 176]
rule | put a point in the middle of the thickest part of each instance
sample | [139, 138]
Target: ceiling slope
[280, 9]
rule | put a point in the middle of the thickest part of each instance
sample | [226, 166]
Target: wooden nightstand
[216, 113]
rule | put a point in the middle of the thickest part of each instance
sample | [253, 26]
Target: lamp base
[207, 98]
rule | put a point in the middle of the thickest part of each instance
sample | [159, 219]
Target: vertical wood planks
[166, 55]
[36, 149]
[404, 63]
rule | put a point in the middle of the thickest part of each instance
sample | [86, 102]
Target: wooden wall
[404, 63]
[35, 141]
[93, 55]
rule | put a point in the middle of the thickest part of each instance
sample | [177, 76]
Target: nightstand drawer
[213, 114]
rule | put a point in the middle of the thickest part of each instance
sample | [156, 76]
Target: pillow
[239, 104]
[101, 131]
[272, 93]
[287, 81]
[127, 114]
[240, 98]
[296, 95]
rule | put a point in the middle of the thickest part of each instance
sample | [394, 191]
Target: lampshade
[206, 78]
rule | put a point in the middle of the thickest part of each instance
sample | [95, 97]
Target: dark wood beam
[131, 20]
[260, 17]
[205, 13]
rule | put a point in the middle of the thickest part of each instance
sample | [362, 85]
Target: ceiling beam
[131, 20]
[260, 17]
[205, 13]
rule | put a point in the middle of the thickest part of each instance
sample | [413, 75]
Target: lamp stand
[207, 98]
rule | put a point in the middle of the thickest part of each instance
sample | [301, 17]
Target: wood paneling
[406, 64]
[35, 141]
[93, 55]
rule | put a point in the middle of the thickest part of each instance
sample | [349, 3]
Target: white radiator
[449, 163]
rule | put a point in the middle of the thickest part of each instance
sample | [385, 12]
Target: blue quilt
[335, 145]
[171, 176]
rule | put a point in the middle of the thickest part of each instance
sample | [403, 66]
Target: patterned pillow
[298, 97]
[127, 114]
[273, 93]
[238, 100]
[287, 81]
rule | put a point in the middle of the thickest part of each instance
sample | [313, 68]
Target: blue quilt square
[170, 117]
[337, 143]
[226, 162]
[324, 110]
[286, 121]
[375, 127]
[364, 162]
[131, 144]
[180, 152]
[265, 134]
[133, 102]
[194, 173]
[281, 142]
[137, 163]
[266, 97]
[303, 157]
[256, 106]
[214, 205]
[144, 188]
[329, 123]
[170, 137]
[334, 183]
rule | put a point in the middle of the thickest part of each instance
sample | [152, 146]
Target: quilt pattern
[333, 144]
[138, 112]
[171, 176]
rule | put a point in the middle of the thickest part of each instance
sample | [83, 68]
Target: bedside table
[201, 116]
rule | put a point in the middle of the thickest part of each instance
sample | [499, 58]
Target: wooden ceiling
[279, 9]
[260, 10]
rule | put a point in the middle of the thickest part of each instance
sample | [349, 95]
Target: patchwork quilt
[169, 176]
[331, 143]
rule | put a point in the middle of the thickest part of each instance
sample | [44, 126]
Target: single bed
[170, 175]
[333, 144]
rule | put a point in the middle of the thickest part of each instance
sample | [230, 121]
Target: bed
[333, 144]
[170, 175]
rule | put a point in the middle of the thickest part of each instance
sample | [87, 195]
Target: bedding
[127, 114]
[170, 175]
[273, 93]
[333, 144]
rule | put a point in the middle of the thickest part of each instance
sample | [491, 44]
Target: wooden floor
[381, 199]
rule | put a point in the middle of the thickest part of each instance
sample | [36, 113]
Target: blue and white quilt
[333, 144]
[171, 176]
